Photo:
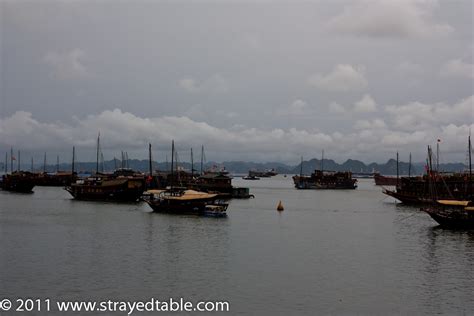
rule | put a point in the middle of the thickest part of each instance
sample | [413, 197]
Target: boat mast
[11, 159]
[437, 155]
[73, 158]
[19, 159]
[6, 162]
[172, 162]
[301, 167]
[97, 160]
[470, 165]
[202, 158]
[192, 164]
[57, 163]
[44, 163]
[150, 161]
[409, 167]
[322, 161]
[397, 170]
[32, 164]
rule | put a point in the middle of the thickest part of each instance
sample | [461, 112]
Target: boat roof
[192, 195]
[453, 202]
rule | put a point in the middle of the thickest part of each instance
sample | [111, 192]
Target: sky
[249, 80]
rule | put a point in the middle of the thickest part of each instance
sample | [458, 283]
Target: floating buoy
[280, 207]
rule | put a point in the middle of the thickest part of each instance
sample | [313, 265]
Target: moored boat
[452, 213]
[18, 181]
[182, 201]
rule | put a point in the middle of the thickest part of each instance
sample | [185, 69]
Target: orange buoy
[280, 207]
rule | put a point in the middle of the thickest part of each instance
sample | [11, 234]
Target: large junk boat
[418, 190]
[454, 213]
[329, 180]
[181, 201]
[123, 185]
[18, 181]
[101, 187]
[384, 180]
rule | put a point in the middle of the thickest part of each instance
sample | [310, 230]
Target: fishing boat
[18, 181]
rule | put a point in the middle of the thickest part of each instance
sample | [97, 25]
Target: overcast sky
[253, 80]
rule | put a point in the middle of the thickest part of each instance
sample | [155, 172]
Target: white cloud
[366, 104]
[370, 124]
[390, 18]
[297, 108]
[420, 116]
[343, 77]
[215, 84]
[335, 107]
[67, 65]
[457, 68]
[125, 131]
[409, 68]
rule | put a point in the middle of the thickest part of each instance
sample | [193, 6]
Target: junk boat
[452, 213]
[181, 201]
[327, 180]
[18, 181]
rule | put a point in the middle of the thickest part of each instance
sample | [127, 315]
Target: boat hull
[452, 219]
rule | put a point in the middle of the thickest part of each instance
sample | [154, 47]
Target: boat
[18, 181]
[108, 188]
[251, 177]
[454, 213]
[57, 179]
[215, 210]
[262, 174]
[326, 180]
[124, 185]
[384, 180]
[182, 201]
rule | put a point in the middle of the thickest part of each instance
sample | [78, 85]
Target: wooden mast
[192, 164]
[172, 162]
[97, 160]
[150, 166]
[409, 167]
[44, 163]
[397, 171]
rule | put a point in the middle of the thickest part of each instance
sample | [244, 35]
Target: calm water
[337, 252]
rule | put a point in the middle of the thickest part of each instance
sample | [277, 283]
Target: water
[329, 252]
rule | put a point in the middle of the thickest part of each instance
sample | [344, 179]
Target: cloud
[372, 139]
[457, 68]
[215, 84]
[67, 65]
[370, 124]
[335, 107]
[390, 18]
[421, 116]
[297, 108]
[343, 77]
[366, 104]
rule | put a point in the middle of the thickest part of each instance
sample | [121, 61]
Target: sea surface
[328, 252]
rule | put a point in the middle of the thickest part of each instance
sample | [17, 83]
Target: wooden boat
[251, 177]
[107, 188]
[327, 180]
[384, 180]
[18, 181]
[57, 179]
[123, 185]
[182, 201]
[452, 213]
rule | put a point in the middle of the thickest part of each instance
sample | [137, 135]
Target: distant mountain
[242, 167]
